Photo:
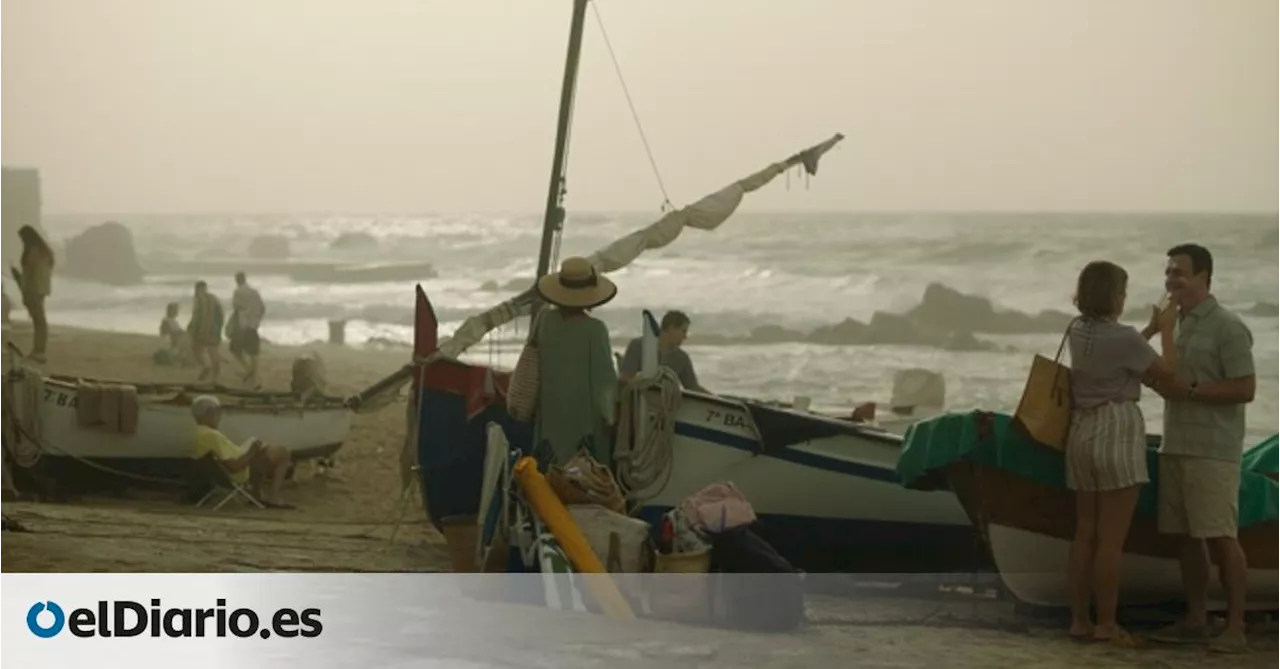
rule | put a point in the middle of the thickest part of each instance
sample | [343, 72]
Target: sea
[794, 270]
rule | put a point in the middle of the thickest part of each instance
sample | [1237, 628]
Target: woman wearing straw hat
[578, 385]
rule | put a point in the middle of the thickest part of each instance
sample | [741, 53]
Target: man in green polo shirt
[1202, 445]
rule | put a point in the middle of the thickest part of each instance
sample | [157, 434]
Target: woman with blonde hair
[578, 384]
[1106, 449]
[36, 282]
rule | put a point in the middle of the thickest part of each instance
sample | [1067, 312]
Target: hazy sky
[441, 105]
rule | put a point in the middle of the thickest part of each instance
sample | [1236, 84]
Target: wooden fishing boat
[825, 489]
[1014, 493]
[164, 424]
[44, 424]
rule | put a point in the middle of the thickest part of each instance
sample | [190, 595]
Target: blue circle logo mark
[33, 619]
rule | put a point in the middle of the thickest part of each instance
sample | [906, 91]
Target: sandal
[1181, 633]
[1230, 641]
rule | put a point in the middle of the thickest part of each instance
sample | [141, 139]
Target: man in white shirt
[247, 311]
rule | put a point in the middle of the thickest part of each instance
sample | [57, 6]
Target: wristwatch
[1191, 392]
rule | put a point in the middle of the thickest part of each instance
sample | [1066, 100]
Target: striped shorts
[1107, 447]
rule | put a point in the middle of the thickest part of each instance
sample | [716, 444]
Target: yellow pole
[549, 508]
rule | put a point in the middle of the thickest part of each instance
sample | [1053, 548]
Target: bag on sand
[522, 389]
[762, 591]
[1044, 413]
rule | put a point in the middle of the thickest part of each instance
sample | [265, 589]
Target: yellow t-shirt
[209, 440]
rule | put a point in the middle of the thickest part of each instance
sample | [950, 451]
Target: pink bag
[718, 507]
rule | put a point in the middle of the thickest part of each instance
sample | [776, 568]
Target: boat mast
[553, 219]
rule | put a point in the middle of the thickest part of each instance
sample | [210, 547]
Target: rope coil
[639, 466]
[24, 394]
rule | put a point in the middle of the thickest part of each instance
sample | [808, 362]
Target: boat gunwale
[854, 429]
[183, 394]
[859, 430]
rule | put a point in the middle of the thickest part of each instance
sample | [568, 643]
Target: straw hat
[577, 285]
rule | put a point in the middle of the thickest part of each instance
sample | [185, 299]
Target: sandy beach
[345, 518]
[342, 522]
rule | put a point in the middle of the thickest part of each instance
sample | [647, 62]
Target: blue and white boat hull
[826, 490]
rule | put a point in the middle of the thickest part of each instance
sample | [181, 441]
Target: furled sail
[705, 214]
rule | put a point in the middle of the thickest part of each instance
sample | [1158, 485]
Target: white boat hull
[835, 493]
[1033, 567]
[166, 431]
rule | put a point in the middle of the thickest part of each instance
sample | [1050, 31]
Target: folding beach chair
[220, 479]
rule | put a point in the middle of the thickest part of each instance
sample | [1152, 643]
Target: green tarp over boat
[930, 446]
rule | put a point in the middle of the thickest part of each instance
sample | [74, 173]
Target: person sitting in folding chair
[249, 463]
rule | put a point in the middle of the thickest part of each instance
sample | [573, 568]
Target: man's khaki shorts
[1198, 497]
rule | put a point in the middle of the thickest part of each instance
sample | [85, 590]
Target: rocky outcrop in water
[945, 308]
[354, 241]
[1263, 309]
[512, 286]
[945, 319]
[846, 330]
[103, 253]
[1141, 314]
[269, 247]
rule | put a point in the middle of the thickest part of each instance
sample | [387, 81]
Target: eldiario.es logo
[124, 618]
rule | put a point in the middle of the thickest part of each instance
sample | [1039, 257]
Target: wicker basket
[680, 589]
[683, 563]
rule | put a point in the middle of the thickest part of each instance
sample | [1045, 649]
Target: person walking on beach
[36, 282]
[1203, 442]
[578, 385]
[247, 312]
[205, 331]
[1106, 449]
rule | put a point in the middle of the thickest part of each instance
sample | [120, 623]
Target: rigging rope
[640, 466]
[666, 199]
[23, 416]
[46, 445]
